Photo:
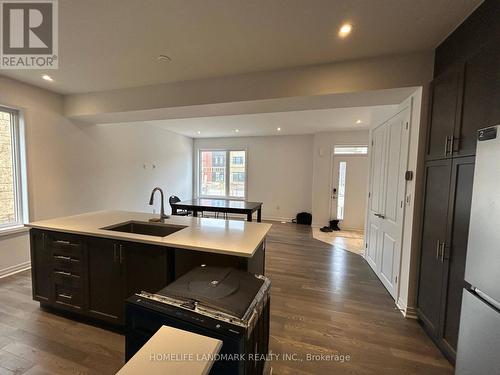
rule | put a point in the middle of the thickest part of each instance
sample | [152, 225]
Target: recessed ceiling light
[358, 121]
[237, 130]
[198, 132]
[164, 58]
[345, 30]
[278, 129]
[47, 78]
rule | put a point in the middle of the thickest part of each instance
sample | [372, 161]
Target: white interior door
[350, 176]
[386, 200]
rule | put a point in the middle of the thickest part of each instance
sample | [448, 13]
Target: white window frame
[227, 171]
[350, 153]
[19, 192]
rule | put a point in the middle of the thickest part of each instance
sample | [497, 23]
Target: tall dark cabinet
[465, 97]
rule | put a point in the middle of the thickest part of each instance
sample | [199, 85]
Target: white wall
[279, 171]
[126, 162]
[322, 155]
[53, 154]
[74, 168]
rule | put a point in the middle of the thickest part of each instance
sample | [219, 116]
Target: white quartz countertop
[231, 237]
[173, 351]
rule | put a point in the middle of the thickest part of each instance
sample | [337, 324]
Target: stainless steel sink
[148, 228]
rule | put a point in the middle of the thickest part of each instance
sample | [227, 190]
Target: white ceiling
[265, 124]
[111, 44]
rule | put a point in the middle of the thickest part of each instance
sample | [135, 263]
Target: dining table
[227, 206]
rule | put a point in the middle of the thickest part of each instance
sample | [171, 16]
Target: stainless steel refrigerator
[479, 335]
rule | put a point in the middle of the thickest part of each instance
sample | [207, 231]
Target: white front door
[350, 176]
[386, 203]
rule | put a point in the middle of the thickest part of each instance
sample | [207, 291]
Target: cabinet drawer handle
[62, 242]
[62, 257]
[65, 273]
[67, 243]
[67, 296]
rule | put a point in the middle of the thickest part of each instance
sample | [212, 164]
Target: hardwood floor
[324, 301]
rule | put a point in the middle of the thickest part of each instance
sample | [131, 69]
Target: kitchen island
[89, 264]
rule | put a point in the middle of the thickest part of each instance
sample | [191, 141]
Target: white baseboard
[411, 313]
[15, 269]
[276, 218]
[407, 311]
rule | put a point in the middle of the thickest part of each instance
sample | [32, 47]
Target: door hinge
[372, 143]
[396, 280]
[369, 195]
[366, 245]
[406, 126]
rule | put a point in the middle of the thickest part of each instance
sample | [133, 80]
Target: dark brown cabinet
[444, 113]
[481, 97]
[146, 267]
[93, 276]
[105, 286]
[41, 270]
[455, 252]
[464, 97]
[448, 195]
[437, 188]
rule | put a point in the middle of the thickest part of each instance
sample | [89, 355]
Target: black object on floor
[334, 225]
[304, 218]
[326, 229]
[223, 303]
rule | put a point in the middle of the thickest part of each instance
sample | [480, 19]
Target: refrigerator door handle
[487, 298]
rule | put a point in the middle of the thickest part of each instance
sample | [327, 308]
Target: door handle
[121, 254]
[448, 145]
[440, 248]
[453, 149]
[380, 216]
[443, 248]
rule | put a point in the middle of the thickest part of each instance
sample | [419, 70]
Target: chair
[174, 199]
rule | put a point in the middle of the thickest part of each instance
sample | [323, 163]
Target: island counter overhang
[79, 267]
[229, 237]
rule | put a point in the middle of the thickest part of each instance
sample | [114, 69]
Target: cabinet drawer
[66, 278]
[64, 244]
[68, 296]
[67, 263]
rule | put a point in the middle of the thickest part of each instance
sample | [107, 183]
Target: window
[10, 186]
[238, 160]
[350, 150]
[341, 193]
[218, 178]
[238, 177]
